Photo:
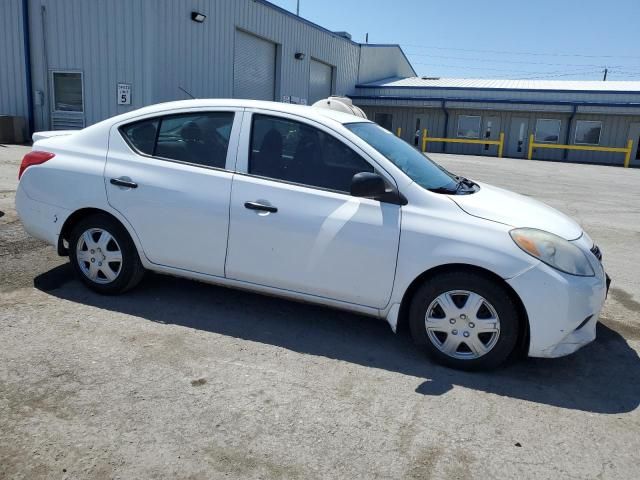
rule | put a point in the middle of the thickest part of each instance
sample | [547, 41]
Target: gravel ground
[179, 379]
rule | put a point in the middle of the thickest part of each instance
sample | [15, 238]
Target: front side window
[294, 152]
[198, 138]
[468, 126]
[67, 92]
[588, 132]
[415, 165]
[547, 131]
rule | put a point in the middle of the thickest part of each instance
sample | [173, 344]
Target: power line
[535, 77]
[492, 60]
[467, 67]
[513, 52]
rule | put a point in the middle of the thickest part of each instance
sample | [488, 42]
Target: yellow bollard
[530, 155]
[627, 155]
[399, 131]
[501, 146]
[424, 140]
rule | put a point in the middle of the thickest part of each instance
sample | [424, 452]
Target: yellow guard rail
[499, 143]
[626, 150]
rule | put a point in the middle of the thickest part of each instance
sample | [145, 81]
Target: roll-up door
[320, 78]
[254, 67]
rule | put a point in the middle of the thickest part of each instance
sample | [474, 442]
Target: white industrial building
[89, 60]
[66, 64]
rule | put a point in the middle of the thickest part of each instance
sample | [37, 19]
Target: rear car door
[295, 226]
[170, 177]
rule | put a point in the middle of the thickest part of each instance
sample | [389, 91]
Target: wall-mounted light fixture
[299, 56]
[198, 17]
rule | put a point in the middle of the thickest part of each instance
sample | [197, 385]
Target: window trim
[575, 133]
[479, 117]
[244, 147]
[53, 91]
[159, 116]
[535, 135]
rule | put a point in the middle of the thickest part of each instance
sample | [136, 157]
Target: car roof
[318, 114]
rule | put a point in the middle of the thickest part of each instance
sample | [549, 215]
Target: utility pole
[366, 38]
[606, 70]
[298, 8]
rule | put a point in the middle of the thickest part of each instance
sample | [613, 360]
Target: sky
[517, 39]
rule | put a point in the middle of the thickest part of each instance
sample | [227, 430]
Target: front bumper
[563, 309]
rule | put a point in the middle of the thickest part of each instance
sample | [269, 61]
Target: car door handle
[260, 206]
[121, 182]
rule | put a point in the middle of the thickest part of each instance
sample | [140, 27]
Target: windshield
[422, 170]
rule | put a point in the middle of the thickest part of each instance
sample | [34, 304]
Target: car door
[170, 177]
[294, 225]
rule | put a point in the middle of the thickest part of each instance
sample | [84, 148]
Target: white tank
[341, 104]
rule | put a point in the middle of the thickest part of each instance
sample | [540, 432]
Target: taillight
[34, 158]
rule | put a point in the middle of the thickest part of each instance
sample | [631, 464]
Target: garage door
[254, 67]
[320, 76]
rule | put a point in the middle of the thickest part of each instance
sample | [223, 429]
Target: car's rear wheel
[104, 256]
[465, 320]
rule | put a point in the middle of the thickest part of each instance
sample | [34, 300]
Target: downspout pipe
[446, 124]
[26, 33]
[567, 137]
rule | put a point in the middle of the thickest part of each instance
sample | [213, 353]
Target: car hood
[503, 206]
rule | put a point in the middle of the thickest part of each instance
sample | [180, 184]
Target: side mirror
[366, 184]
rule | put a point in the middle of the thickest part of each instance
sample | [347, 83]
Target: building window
[588, 132]
[67, 92]
[547, 131]
[468, 126]
[385, 120]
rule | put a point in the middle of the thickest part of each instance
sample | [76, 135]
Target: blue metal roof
[580, 86]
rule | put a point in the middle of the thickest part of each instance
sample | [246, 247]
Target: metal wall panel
[480, 94]
[254, 67]
[615, 129]
[383, 61]
[13, 89]
[320, 80]
[154, 46]
[106, 41]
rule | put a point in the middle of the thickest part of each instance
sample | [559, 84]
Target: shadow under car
[596, 379]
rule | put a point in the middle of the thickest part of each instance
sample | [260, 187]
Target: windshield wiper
[446, 190]
[464, 182]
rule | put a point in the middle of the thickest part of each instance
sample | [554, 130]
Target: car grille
[596, 251]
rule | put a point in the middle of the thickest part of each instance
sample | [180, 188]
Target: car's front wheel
[465, 320]
[104, 256]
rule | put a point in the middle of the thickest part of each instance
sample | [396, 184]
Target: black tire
[498, 298]
[130, 270]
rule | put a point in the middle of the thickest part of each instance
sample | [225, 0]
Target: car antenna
[186, 92]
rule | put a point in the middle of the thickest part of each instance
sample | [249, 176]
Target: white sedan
[319, 206]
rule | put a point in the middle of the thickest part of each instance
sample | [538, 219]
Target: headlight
[553, 250]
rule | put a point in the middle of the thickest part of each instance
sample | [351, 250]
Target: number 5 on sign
[124, 94]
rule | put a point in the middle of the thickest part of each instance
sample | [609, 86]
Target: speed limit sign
[124, 94]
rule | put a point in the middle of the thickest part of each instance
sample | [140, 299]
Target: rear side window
[295, 152]
[197, 138]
